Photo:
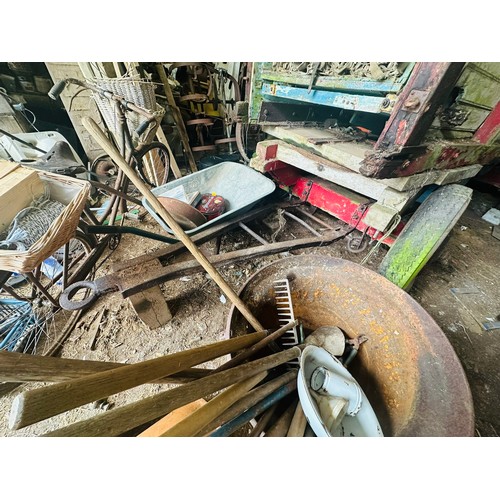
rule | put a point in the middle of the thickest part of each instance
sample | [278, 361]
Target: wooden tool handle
[203, 416]
[281, 426]
[19, 367]
[253, 349]
[174, 417]
[120, 420]
[32, 406]
[110, 149]
[247, 402]
[298, 424]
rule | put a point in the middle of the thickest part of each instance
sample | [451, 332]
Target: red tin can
[211, 205]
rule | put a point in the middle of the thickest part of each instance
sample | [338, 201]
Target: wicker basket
[71, 192]
[138, 91]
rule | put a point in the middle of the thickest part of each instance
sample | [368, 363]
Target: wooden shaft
[36, 405]
[110, 149]
[263, 421]
[181, 126]
[298, 424]
[232, 426]
[247, 353]
[119, 420]
[168, 421]
[281, 426]
[190, 426]
[18, 367]
[247, 402]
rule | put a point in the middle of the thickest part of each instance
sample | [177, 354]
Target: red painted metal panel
[490, 127]
[324, 195]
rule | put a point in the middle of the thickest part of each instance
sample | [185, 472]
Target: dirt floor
[459, 289]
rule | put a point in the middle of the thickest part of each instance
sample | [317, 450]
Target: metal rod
[300, 221]
[39, 286]
[253, 233]
[314, 218]
[13, 137]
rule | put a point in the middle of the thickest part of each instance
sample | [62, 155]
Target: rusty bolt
[413, 102]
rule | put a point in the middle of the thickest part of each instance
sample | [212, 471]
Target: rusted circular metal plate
[183, 213]
[407, 367]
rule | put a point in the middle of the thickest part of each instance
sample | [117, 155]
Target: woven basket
[71, 192]
[138, 91]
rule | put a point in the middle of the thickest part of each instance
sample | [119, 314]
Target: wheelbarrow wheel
[424, 233]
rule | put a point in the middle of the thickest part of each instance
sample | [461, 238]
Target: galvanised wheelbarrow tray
[241, 187]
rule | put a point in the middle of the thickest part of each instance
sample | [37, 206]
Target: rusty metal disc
[183, 213]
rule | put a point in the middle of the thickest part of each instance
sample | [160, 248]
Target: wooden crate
[19, 186]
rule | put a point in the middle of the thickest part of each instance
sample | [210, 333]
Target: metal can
[211, 205]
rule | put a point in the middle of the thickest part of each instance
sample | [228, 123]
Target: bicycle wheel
[153, 164]
[30, 322]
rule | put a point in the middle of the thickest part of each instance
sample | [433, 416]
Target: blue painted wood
[369, 104]
[231, 426]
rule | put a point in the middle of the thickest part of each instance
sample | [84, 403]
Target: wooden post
[110, 149]
[36, 405]
[119, 420]
[428, 86]
[181, 127]
[190, 426]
